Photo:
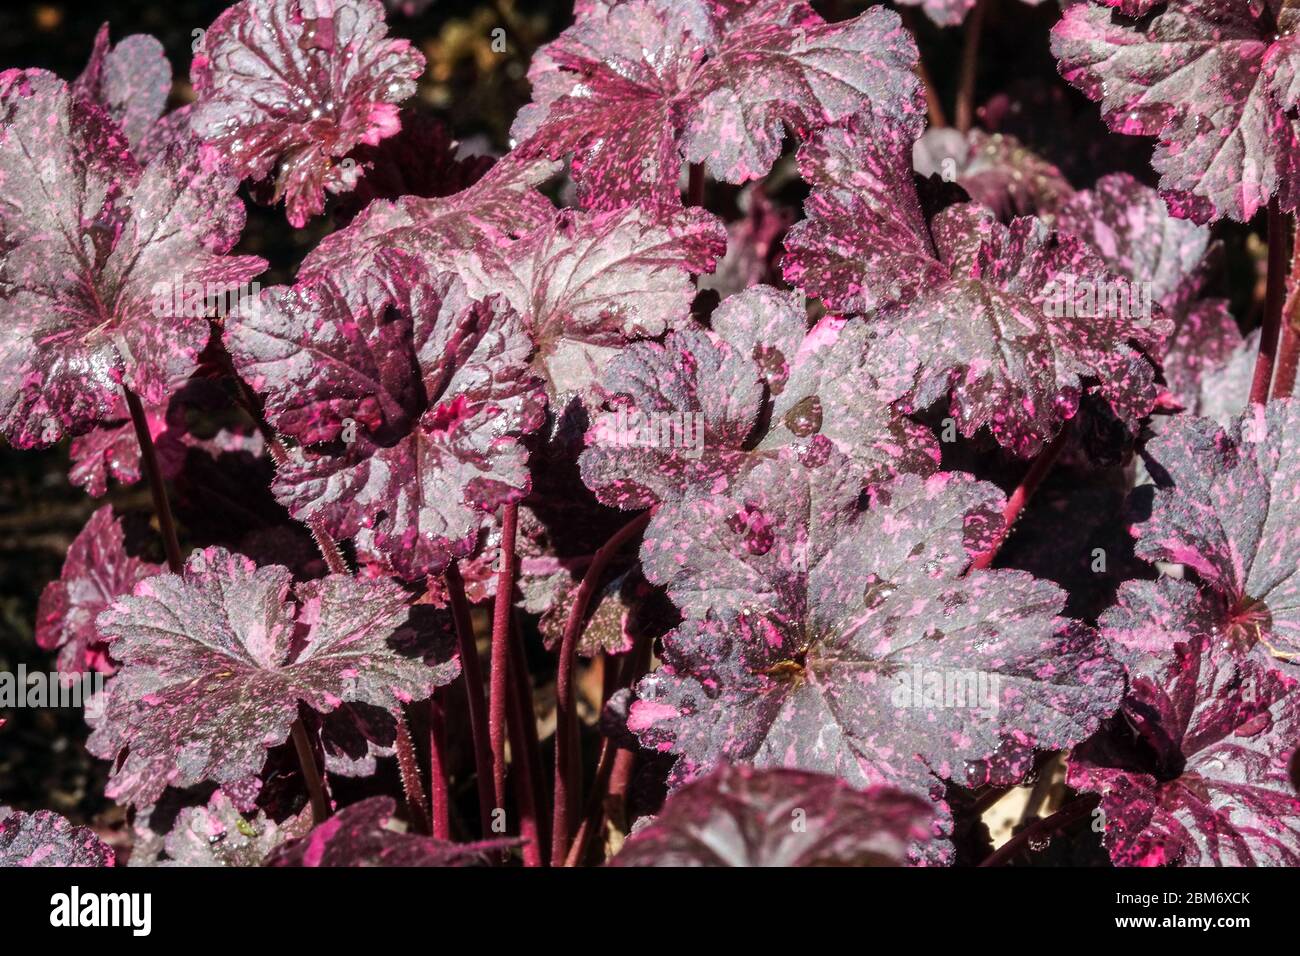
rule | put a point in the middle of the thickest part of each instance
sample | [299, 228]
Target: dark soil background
[43, 763]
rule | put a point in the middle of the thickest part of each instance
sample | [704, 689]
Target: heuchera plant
[725, 453]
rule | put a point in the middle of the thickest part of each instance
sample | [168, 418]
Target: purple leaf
[681, 419]
[504, 203]
[632, 89]
[826, 637]
[96, 572]
[1200, 778]
[1170, 260]
[1227, 509]
[216, 661]
[992, 317]
[752, 244]
[592, 282]
[409, 402]
[44, 838]
[361, 835]
[130, 80]
[1215, 82]
[95, 247]
[289, 87]
[738, 816]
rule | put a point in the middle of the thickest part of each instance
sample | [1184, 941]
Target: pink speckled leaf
[219, 835]
[988, 315]
[738, 816]
[1197, 775]
[1216, 82]
[826, 637]
[591, 282]
[441, 231]
[1172, 260]
[130, 79]
[995, 169]
[632, 89]
[362, 835]
[1227, 508]
[96, 572]
[409, 402]
[681, 419]
[289, 87]
[216, 661]
[44, 838]
[94, 247]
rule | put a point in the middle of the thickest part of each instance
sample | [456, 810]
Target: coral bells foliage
[763, 447]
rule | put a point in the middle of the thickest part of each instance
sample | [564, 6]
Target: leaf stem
[969, 66]
[1020, 497]
[1274, 299]
[1042, 828]
[567, 776]
[525, 794]
[637, 663]
[499, 675]
[530, 751]
[439, 794]
[473, 675]
[161, 506]
[320, 805]
[1289, 354]
[412, 785]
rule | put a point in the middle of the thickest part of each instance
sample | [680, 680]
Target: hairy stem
[473, 675]
[412, 785]
[161, 506]
[499, 675]
[1274, 298]
[439, 793]
[530, 750]
[525, 796]
[632, 669]
[969, 66]
[1020, 497]
[1042, 829]
[320, 805]
[567, 776]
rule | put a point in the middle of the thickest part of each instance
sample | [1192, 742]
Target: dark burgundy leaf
[362, 835]
[993, 317]
[290, 87]
[1227, 509]
[738, 816]
[96, 572]
[409, 402]
[826, 637]
[632, 89]
[44, 838]
[216, 661]
[95, 249]
[1170, 260]
[1209, 784]
[1216, 82]
[130, 80]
